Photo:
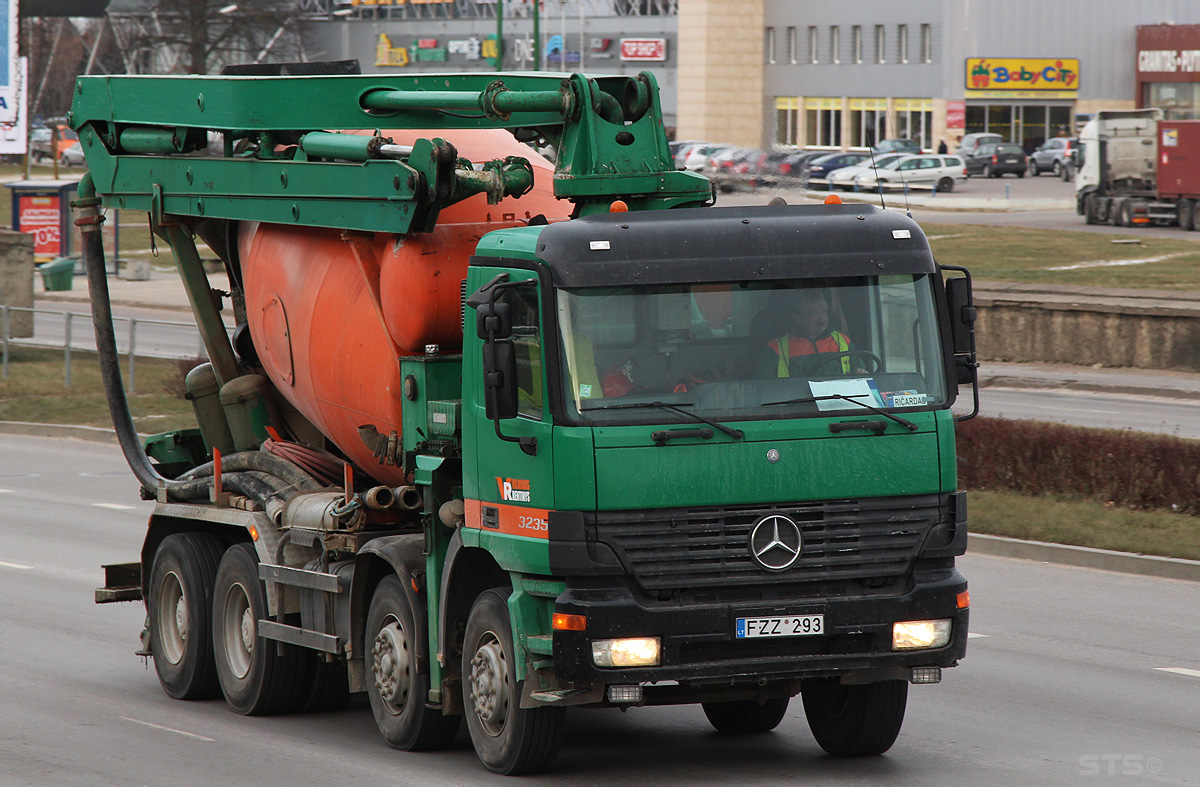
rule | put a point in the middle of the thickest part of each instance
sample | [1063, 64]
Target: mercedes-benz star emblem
[775, 542]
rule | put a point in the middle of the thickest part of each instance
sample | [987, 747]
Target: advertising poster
[9, 70]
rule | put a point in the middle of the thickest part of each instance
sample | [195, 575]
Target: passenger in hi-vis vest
[805, 331]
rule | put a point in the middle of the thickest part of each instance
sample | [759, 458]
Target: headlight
[918, 634]
[631, 652]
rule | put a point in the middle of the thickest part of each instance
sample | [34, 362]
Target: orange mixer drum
[331, 315]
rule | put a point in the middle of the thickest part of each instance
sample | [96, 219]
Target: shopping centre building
[804, 73]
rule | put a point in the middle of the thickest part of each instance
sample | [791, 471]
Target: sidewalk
[163, 290]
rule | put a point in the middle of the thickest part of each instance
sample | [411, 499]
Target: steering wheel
[875, 363]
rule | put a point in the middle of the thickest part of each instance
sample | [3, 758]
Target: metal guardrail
[69, 342]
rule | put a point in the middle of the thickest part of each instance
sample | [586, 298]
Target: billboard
[1021, 77]
[9, 70]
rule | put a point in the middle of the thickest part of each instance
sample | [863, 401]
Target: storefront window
[1178, 100]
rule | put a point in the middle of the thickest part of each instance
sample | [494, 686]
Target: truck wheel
[508, 739]
[396, 689]
[258, 676]
[1185, 212]
[854, 721]
[746, 717]
[1124, 215]
[180, 604]
[1089, 209]
[945, 185]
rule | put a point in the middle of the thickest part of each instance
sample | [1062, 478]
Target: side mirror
[500, 379]
[962, 315]
[493, 319]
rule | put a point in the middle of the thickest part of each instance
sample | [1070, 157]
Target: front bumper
[699, 645]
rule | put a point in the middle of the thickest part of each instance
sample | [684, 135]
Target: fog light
[631, 652]
[926, 675]
[625, 695]
[917, 634]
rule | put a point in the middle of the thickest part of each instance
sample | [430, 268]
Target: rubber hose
[262, 462]
[242, 483]
[114, 388]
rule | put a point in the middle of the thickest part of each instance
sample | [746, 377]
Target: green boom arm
[284, 161]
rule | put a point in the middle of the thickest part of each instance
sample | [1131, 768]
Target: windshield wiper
[907, 424]
[736, 434]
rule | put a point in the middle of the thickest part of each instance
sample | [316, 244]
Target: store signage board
[644, 49]
[1022, 77]
[9, 67]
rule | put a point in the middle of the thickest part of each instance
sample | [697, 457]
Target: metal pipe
[208, 319]
[379, 498]
[132, 350]
[67, 349]
[408, 498]
[504, 101]
[161, 141]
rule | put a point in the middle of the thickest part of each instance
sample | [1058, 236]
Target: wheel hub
[489, 686]
[248, 630]
[181, 619]
[392, 665]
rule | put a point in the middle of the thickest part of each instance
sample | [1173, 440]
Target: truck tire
[854, 721]
[258, 676]
[746, 717]
[1089, 209]
[180, 608]
[1124, 214]
[397, 691]
[508, 739]
[1185, 212]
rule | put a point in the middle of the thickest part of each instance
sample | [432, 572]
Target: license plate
[783, 626]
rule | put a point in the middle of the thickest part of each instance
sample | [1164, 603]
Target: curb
[95, 434]
[1085, 557]
[1003, 381]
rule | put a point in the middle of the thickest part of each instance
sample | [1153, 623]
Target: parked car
[681, 148]
[996, 159]
[815, 170]
[897, 146]
[844, 178]
[697, 158]
[976, 138]
[939, 171]
[792, 165]
[1051, 156]
[71, 156]
[42, 148]
[736, 167]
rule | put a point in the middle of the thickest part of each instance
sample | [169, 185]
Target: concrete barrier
[16, 281]
[1146, 329]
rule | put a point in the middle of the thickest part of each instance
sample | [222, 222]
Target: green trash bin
[58, 274]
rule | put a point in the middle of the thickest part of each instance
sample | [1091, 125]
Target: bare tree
[202, 36]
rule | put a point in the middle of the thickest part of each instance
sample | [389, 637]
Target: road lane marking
[19, 566]
[975, 635]
[1191, 673]
[5, 491]
[169, 729]
[113, 506]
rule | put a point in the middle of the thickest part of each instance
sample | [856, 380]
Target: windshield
[746, 350]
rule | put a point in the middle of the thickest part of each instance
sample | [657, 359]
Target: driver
[806, 332]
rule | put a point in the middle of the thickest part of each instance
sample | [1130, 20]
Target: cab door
[509, 495]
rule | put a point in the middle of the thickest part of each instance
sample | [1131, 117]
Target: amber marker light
[964, 599]
[565, 622]
[833, 199]
[254, 532]
[618, 206]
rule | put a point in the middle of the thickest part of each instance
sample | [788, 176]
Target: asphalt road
[1078, 673]
[1179, 417]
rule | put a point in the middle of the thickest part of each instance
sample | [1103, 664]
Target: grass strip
[1084, 523]
[1027, 256]
[35, 391]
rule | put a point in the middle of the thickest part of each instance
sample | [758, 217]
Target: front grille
[850, 547]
